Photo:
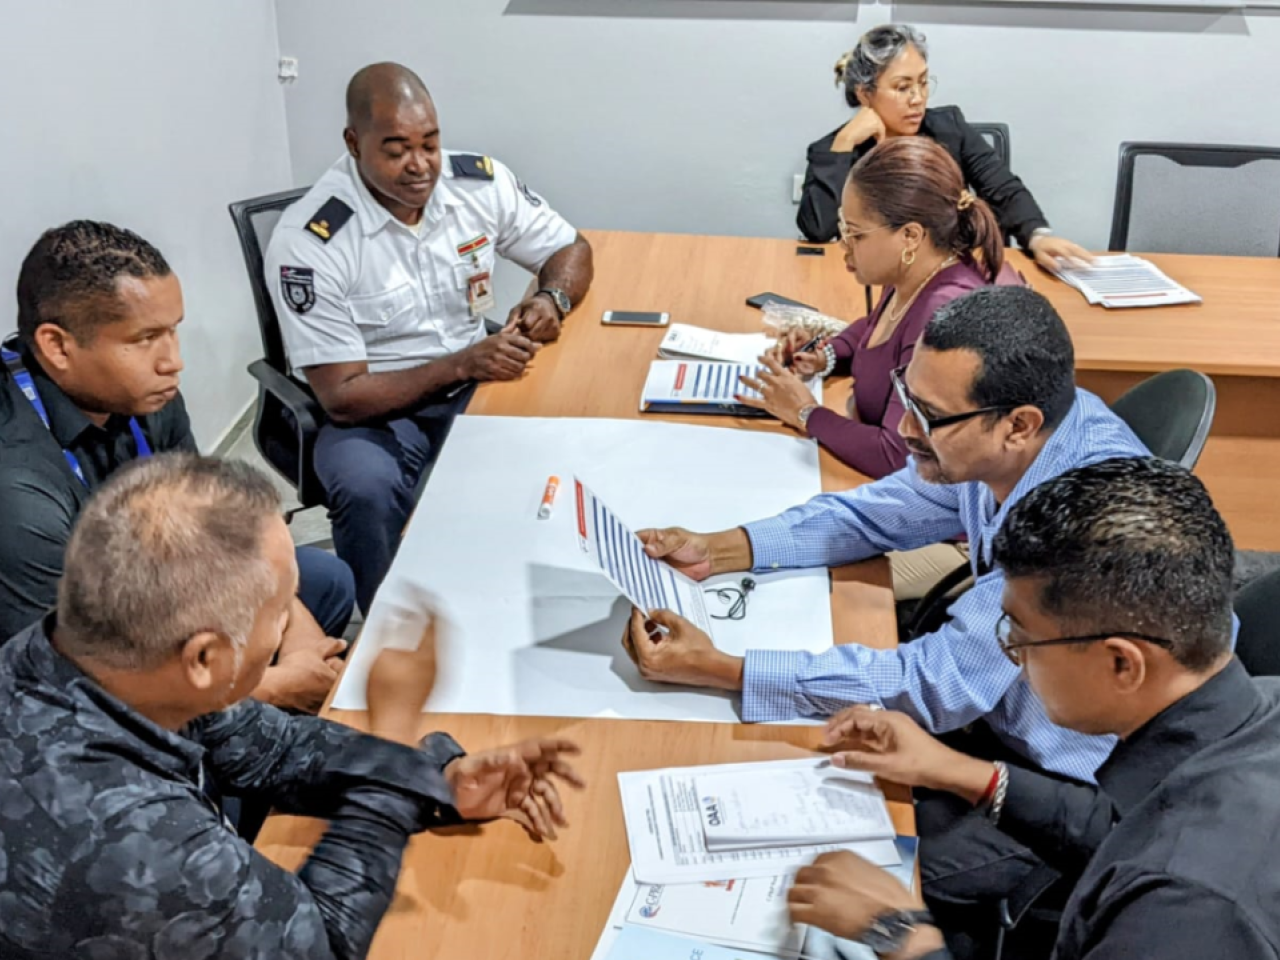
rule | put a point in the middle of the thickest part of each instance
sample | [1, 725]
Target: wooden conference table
[486, 892]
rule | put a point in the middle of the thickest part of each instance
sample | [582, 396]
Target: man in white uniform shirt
[382, 276]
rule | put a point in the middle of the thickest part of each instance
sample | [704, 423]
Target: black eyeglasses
[735, 597]
[1010, 648]
[929, 424]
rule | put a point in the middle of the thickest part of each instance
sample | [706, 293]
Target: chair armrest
[301, 404]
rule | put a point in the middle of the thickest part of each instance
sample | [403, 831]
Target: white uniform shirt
[381, 292]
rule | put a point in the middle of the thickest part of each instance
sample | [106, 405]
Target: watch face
[888, 932]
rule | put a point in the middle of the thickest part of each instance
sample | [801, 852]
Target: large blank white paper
[662, 809]
[535, 625]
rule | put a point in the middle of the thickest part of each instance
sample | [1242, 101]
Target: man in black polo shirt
[1118, 607]
[91, 384]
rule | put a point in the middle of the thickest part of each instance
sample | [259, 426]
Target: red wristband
[990, 792]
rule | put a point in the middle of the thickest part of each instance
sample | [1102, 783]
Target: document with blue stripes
[686, 386]
[649, 584]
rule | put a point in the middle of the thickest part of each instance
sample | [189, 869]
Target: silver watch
[805, 413]
[559, 298]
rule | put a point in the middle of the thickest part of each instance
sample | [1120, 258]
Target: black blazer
[1014, 207]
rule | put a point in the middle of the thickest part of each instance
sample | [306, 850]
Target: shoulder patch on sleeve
[329, 219]
[298, 286]
[533, 198]
[469, 166]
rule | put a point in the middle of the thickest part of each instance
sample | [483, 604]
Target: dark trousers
[372, 475]
[967, 865]
[327, 589]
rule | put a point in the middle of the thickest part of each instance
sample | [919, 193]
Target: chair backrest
[1171, 413]
[997, 134]
[1258, 607]
[255, 221]
[1197, 198]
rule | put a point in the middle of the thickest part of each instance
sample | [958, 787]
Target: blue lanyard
[23, 379]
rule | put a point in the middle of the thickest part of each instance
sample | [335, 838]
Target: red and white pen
[548, 498]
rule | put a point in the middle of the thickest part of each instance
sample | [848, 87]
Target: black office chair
[1258, 643]
[1171, 413]
[1197, 198]
[997, 134]
[288, 417]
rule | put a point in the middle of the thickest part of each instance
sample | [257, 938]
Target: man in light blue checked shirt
[992, 411]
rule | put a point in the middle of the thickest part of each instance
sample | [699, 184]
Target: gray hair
[169, 547]
[860, 68]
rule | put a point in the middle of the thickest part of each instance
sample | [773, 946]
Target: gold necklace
[898, 314]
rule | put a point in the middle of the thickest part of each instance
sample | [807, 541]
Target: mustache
[919, 449]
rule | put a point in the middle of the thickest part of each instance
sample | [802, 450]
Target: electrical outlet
[288, 68]
[797, 187]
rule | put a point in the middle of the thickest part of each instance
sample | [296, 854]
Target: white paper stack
[685, 342]
[790, 806]
[665, 816]
[743, 915]
[1125, 281]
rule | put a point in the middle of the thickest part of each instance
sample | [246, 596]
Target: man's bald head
[379, 83]
[170, 546]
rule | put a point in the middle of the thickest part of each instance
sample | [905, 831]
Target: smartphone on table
[633, 318]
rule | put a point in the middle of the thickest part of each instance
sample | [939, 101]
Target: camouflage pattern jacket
[113, 848]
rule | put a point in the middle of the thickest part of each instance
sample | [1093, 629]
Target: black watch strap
[889, 932]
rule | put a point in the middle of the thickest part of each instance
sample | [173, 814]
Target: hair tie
[966, 200]
[841, 66]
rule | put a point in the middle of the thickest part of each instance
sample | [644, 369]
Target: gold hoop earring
[908, 257]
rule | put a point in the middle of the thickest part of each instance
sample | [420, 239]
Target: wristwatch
[889, 932]
[804, 413]
[560, 299]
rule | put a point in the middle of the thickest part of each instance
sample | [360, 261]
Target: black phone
[760, 299]
[811, 251]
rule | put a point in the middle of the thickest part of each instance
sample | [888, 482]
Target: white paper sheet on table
[1123, 281]
[685, 341]
[536, 627]
[745, 914]
[781, 805]
[662, 809]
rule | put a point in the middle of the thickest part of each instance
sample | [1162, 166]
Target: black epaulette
[469, 166]
[329, 219]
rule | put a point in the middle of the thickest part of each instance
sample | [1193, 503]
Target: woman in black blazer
[886, 76]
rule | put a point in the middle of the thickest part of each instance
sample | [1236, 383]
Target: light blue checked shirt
[946, 679]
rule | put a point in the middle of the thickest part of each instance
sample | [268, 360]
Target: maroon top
[871, 443]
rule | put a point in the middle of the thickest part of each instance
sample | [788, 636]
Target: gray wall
[693, 115]
[154, 115]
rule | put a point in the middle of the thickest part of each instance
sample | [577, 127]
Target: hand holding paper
[669, 649]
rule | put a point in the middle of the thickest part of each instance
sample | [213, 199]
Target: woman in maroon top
[909, 225]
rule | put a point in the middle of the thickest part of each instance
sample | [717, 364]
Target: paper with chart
[688, 386]
[1125, 281]
[785, 806]
[663, 813]
[744, 914]
[534, 624]
[648, 583]
[686, 342]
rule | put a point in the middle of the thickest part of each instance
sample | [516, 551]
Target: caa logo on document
[712, 810]
[652, 903]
